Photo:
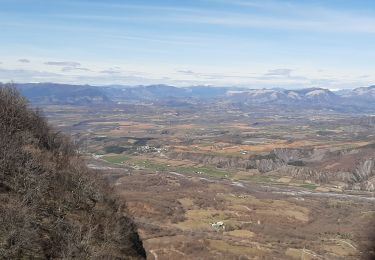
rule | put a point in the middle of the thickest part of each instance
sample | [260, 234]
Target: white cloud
[68, 69]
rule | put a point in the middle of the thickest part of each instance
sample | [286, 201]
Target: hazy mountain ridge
[50, 93]
[282, 95]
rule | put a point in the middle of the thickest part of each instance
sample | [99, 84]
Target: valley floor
[175, 213]
[220, 182]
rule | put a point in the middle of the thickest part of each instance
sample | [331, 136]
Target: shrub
[51, 204]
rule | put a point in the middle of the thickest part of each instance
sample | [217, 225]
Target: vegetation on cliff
[51, 204]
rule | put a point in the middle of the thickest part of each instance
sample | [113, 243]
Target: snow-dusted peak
[294, 95]
[317, 92]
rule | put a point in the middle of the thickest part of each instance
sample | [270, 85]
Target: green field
[117, 159]
[309, 186]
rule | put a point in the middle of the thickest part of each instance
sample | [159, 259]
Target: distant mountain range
[316, 95]
[362, 98]
[50, 93]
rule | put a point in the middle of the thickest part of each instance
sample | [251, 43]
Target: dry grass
[239, 250]
[228, 148]
[245, 234]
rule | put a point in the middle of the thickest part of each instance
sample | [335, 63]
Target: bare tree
[51, 204]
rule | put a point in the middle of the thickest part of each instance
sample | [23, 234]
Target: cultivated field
[207, 183]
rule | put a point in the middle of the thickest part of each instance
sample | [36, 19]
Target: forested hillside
[51, 205]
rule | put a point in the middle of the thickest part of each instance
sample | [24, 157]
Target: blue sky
[251, 43]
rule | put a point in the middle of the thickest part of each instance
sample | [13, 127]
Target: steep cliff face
[267, 165]
[364, 176]
[353, 167]
[51, 205]
[364, 170]
[361, 177]
[262, 163]
[288, 155]
[220, 162]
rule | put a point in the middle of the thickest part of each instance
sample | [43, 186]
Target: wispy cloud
[24, 75]
[251, 80]
[281, 15]
[279, 72]
[217, 42]
[69, 69]
[304, 15]
[68, 66]
[111, 71]
[186, 72]
[111, 5]
[318, 24]
[269, 5]
[63, 63]
[24, 60]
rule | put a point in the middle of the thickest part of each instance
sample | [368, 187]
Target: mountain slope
[50, 93]
[366, 93]
[360, 99]
[309, 96]
[51, 205]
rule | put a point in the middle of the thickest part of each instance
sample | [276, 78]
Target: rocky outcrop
[287, 155]
[301, 164]
[267, 165]
[364, 176]
[262, 163]
[364, 170]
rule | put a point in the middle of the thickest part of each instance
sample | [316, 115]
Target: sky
[245, 43]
